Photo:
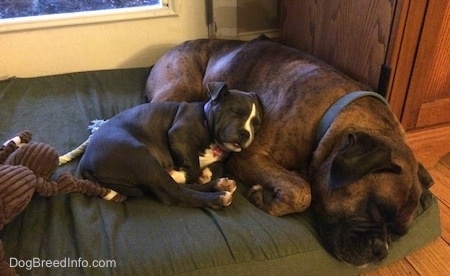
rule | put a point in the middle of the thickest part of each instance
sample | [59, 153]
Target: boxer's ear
[360, 154]
[217, 90]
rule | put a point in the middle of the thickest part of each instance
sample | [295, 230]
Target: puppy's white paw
[227, 198]
[205, 176]
[226, 184]
[178, 176]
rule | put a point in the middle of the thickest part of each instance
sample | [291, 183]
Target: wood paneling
[430, 79]
[401, 60]
[352, 35]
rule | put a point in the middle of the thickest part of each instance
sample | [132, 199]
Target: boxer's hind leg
[274, 190]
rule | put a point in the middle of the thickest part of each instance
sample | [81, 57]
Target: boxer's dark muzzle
[359, 244]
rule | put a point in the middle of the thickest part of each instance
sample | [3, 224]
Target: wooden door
[428, 97]
[352, 35]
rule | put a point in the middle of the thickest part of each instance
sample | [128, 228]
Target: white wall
[125, 44]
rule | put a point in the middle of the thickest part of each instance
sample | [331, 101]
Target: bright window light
[18, 15]
[23, 8]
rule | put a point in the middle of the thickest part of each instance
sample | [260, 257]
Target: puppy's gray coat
[155, 147]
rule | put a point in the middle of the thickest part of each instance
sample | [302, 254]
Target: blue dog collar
[331, 113]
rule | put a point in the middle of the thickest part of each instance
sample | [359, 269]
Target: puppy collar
[217, 150]
[332, 112]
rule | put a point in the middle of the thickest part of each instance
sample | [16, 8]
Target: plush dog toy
[26, 168]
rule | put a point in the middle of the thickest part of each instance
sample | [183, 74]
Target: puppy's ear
[359, 155]
[424, 177]
[217, 90]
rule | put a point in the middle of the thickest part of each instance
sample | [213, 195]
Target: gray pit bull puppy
[359, 175]
[159, 147]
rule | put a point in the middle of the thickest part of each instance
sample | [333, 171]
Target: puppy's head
[366, 195]
[232, 116]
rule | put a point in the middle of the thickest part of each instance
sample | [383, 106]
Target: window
[21, 8]
[34, 14]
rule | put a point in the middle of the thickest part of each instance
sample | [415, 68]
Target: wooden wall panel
[428, 98]
[352, 35]
[404, 45]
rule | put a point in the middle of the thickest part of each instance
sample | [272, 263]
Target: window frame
[86, 17]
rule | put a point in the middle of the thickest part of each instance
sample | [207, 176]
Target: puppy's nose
[379, 249]
[244, 134]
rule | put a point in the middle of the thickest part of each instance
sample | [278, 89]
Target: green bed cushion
[141, 235]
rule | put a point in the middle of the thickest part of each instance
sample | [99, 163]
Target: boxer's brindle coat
[373, 201]
[155, 147]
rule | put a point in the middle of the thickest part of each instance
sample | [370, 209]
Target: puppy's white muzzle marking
[249, 127]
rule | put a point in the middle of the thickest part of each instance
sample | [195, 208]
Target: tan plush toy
[26, 168]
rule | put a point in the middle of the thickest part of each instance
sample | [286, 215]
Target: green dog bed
[75, 235]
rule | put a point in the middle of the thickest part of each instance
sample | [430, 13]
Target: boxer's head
[232, 116]
[366, 194]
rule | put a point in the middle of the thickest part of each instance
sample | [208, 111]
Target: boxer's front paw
[205, 176]
[279, 202]
[179, 176]
[255, 195]
[226, 184]
[264, 199]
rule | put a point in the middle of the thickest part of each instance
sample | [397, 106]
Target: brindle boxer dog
[352, 164]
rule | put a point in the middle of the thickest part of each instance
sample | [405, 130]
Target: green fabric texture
[143, 236]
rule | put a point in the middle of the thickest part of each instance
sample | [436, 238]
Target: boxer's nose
[379, 249]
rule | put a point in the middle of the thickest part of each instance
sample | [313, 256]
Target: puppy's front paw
[226, 184]
[227, 198]
[205, 176]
